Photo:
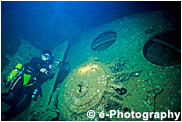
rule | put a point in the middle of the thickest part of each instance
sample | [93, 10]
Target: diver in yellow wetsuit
[27, 84]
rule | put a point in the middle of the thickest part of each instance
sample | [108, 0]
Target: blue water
[47, 24]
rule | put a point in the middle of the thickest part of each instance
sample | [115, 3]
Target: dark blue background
[46, 24]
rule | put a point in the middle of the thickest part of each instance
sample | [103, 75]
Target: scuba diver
[25, 83]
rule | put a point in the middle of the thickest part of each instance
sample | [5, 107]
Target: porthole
[104, 41]
[164, 49]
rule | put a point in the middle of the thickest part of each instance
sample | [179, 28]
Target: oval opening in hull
[104, 41]
[164, 49]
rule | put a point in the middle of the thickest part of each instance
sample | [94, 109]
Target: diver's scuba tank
[13, 74]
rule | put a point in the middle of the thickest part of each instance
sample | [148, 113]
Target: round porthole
[164, 49]
[104, 41]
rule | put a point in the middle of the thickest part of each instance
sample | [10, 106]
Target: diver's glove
[50, 73]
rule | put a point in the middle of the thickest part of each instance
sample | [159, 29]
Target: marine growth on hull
[99, 87]
[131, 67]
[131, 64]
